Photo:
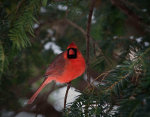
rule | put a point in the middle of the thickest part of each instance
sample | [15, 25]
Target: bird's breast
[73, 69]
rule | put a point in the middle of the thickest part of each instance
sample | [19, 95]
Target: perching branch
[88, 38]
[65, 99]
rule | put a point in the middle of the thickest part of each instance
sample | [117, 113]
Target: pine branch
[23, 25]
[111, 89]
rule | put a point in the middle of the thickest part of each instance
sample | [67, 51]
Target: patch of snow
[146, 44]
[35, 26]
[53, 39]
[93, 20]
[51, 45]
[43, 10]
[62, 7]
[94, 82]
[118, 66]
[26, 114]
[131, 37]
[58, 97]
[139, 39]
[115, 37]
[144, 10]
[50, 5]
[50, 31]
[114, 110]
[93, 17]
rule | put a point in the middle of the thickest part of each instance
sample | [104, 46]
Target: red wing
[57, 66]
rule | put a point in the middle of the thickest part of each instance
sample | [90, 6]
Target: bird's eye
[72, 53]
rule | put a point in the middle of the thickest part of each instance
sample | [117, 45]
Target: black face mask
[72, 56]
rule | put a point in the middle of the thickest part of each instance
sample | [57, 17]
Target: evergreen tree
[119, 61]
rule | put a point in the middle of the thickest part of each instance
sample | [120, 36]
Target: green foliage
[119, 54]
[3, 39]
[23, 24]
[120, 93]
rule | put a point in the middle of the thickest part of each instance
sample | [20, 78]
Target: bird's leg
[68, 87]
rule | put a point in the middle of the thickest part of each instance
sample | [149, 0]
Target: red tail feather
[37, 92]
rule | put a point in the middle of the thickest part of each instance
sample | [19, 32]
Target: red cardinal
[66, 67]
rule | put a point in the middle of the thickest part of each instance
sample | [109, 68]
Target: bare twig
[88, 38]
[104, 74]
[65, 100]
[49, 22]
[76, 26]
[101, 77]
[84, 33]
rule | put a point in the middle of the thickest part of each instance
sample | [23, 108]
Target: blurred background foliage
[33, 32]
